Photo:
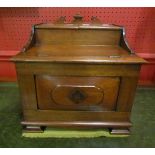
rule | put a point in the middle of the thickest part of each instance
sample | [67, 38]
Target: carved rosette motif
[77, 96]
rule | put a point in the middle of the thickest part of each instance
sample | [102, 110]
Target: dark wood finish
[72, 116]
[57, 69]
[77, 75]
[58, 92]
[126, 94]
[82, 125]
[28, 92]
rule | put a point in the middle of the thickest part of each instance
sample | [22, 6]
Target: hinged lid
[77, 42]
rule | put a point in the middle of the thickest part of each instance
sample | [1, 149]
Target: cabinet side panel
[126, 94]
[27, 90]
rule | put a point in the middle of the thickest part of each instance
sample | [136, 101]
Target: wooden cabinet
[77, 75]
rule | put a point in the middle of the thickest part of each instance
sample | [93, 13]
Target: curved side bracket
[30, 42]
[124, 43]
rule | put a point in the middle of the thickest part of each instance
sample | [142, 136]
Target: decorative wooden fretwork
[95, 20]
[77, 19]
[61, 20]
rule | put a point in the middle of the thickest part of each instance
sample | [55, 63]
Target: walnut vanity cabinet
[77, 75]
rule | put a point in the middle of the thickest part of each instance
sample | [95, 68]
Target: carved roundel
[77, 95]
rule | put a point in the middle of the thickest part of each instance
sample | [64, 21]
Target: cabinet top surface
[76, 53]
[77, 26]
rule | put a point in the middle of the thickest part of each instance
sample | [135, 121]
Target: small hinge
[115, 56]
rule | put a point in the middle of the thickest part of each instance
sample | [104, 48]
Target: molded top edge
[78, 26]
